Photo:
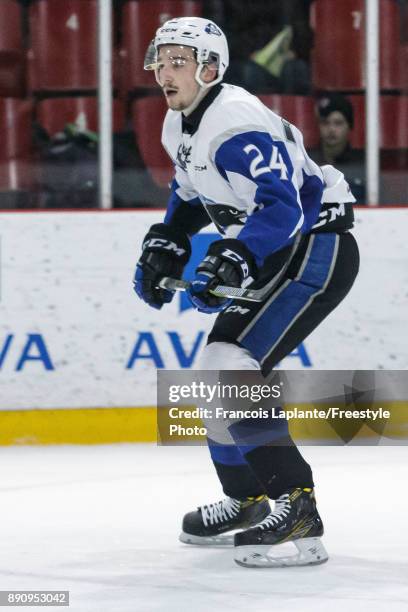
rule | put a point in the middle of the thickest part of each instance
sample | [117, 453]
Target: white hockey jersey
[247, 166]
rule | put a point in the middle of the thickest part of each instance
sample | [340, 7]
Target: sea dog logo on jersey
[211, 28]
[224, 216]
[183, 156]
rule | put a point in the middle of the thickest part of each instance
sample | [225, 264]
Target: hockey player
[284, 223]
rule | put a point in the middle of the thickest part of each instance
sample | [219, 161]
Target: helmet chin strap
[204, 87]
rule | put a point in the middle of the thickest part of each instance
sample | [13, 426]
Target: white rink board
[69, 320]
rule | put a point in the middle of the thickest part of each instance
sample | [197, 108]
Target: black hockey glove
[228, 262]
[165, 253]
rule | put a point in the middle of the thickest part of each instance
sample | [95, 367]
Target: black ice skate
[209, 525]
[295, 519]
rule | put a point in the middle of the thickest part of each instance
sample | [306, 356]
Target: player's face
[175, 72]
[334, 130]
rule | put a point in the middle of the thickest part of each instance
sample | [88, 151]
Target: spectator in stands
[336, 120]
[283, 59]
[270, 43]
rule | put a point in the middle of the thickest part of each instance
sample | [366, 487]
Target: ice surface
[103, 522]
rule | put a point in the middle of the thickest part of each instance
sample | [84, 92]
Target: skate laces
[220, 511]
[281, 511]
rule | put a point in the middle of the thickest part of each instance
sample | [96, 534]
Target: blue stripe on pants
[259, 431]
[228, 454]
[283, 308]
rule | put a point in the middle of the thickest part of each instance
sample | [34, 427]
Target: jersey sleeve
[259, 167]
[184, 209]
[311, 190]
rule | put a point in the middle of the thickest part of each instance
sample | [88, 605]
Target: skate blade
[310, 552]
[226, 539]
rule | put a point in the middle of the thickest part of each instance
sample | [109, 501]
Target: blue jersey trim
[175, 201]
[311, 197]
[265, 162]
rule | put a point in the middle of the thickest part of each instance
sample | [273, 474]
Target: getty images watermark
[335, 406]
[206, 393]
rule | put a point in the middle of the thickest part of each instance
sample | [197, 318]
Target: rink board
[110, 425]
[79, 352]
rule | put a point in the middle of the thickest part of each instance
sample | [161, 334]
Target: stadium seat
[54, 113]
[17, 175]
[63, 53]
[393, 185]
[17, 168]
[15, 128]
[12, 56]
[147, 115]
[299, 110]
[338, 59]
[393, 122]
[404, 61]
[391, 66]
[140, 20]
[357, 138]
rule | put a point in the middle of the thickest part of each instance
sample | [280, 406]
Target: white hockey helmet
[203, 35]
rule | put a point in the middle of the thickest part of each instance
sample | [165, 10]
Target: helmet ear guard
[212, 63]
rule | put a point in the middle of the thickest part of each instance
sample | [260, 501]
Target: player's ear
[208, 74]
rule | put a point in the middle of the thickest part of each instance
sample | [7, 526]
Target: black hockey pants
[320, 275]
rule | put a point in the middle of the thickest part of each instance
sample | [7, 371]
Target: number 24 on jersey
[258, 164]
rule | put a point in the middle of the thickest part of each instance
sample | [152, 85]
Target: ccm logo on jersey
[330, 214]
[161, 243]
[228, 254]
[237, 309]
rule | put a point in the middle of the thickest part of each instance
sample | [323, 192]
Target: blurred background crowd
[304, 58]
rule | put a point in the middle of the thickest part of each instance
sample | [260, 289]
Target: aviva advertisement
[73, 334]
